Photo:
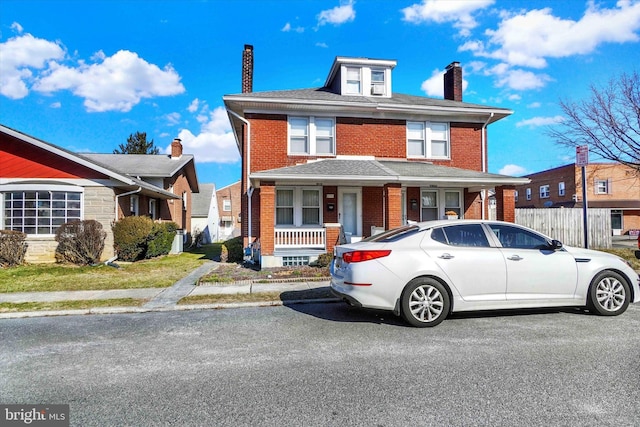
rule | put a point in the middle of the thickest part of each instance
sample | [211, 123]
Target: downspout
[125, 194]
[249, 188]
[483, 195]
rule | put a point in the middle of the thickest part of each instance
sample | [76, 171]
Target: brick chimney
[247, 69]
[453, 82]
[176, 148]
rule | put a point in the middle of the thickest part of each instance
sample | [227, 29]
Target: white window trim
[561, 188]
[346, 80]
[39, 187]
[134, 205]
[312, 135]
[427, 145]
[153, 209]
[226, 205]
[515, 196]
[545, 192]
[297, 207]
[441, 201]
[607, 186]
[528, 193]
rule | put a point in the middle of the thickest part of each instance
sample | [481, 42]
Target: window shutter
[609, 186]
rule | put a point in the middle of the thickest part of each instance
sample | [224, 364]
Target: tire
[609, 294]
[425, 302]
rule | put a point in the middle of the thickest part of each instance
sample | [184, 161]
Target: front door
[350, 210]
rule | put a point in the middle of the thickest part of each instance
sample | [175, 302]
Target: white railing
[289, 238]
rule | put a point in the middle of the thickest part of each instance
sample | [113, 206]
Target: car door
[475, 268]
[534, 270]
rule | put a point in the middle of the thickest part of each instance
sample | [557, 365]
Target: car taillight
[359, 256]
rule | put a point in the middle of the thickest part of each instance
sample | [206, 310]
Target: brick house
[609, 185]
[230, 205]
[355, 156]
[42, 186]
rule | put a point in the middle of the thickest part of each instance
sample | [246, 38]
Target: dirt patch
[227, 273]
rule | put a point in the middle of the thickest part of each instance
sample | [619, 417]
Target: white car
[427, 270]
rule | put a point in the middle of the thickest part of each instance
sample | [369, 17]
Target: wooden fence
[566, 225]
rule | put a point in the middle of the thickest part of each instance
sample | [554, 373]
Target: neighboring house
[204, 214]
[42, 186]
[229, 206]
[609, 185]
[355, 156]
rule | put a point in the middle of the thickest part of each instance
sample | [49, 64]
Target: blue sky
[86, 74]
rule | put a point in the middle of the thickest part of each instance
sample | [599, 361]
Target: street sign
[582, 155]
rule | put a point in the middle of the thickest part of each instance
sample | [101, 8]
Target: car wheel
[609, 294]
[425, 302]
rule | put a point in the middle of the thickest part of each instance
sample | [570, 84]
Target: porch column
[393, 206]
[267, 217]
[332, 233]
[506, 203]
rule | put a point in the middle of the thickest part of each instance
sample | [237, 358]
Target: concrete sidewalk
[159, 299]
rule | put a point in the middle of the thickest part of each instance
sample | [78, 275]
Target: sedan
[427, 270]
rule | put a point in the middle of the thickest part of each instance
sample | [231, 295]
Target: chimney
[176, 148]
[247, 69]
[453, 82]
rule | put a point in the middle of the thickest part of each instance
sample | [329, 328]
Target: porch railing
[290, 238]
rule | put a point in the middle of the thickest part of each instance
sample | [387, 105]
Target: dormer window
[377, 82]
[353, 80]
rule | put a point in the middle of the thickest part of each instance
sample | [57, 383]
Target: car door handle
[446, 256]
[515, 258]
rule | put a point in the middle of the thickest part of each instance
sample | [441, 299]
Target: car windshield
[394, 234]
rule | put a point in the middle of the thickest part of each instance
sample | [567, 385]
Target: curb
[186, 307]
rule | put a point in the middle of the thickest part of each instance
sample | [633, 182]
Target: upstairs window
[561, 189]
[377, 82]
[311, 136]
[528, 193]
[226, 205]
[602, 186]
[516, 196]
[353, 80]
[428, 140]
[544, 191]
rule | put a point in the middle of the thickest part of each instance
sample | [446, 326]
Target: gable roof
[201, 202]
[336, 171]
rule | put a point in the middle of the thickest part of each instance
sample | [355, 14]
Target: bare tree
[608, 121]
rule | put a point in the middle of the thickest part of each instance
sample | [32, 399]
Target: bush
[234, 249]
[324, 260]
[12, 248]
[80, 242]
[161, 239]
[224, 254]
[130, 236]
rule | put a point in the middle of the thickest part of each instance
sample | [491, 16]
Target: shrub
[130, 237]
[80, 242]
[324, 260]
[161, 239]
[234, 249]
[224, 254]
[12, 248]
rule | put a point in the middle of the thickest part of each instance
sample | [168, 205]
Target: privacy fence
[566, 225]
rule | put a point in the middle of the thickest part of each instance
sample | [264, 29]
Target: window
[429, 202]
[461, 235]
[298, 206]
[561, 189]
[153, 208]
[353, 80]
[513, 237]
[452, 202]
[528, 193]
[40, 212]
[226, 205]
[432, 206]
[134, 205]
[377, 82]
[311, 135]
[428, 139]
[544, 191]
[602, 186]
[516, 196]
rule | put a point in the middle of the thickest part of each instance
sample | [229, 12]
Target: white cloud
[338, 15]
[322, 45]
[460, 13]
[512, 170]
[17, 28]
[193, 107]
[19, 56]
[117, 83]
[56, 105]
[530, 38]
[172, 118]
[434, 85]
[540, 121]
[514, 97]
[534, 105]
[287, 28]
[214, 143]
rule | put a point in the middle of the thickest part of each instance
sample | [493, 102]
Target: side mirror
[556, 244]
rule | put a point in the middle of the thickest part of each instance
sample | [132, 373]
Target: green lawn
[154, 273]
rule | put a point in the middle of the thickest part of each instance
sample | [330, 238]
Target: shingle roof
[381, 171]
[200, 202]
[143, 165]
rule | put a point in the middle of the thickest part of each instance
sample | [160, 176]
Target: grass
[9, 307]
[257, 297]
[627, 254]
[154, 273]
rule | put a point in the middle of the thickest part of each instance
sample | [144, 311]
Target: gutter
[249, 188]
[483, 194]
[125, 194]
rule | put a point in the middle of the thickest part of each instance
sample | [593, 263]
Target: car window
[514, 237]
[437, 234]
[462, 235]
[394, 234]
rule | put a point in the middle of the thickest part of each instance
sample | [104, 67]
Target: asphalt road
[327, 365]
